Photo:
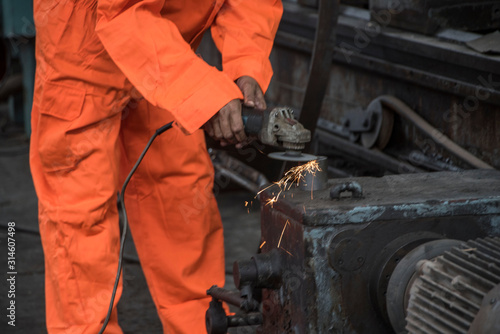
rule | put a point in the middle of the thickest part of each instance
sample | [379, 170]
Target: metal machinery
[404, 236]
[451, 85]
[366, 255]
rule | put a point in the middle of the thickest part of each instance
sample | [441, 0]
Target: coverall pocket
[59, 106]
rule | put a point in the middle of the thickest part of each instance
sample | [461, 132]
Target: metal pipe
[403, 110]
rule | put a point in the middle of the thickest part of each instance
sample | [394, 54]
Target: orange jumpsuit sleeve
[244, 32]
[151, 52]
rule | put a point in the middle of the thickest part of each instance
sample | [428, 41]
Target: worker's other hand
[253, 96]
[227, 125]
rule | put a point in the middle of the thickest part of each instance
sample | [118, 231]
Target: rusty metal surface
[340, 253]
[286, 303]
[393, 197]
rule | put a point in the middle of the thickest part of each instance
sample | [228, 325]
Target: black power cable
[125, 220]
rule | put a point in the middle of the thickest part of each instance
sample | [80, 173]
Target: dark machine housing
[352, 261]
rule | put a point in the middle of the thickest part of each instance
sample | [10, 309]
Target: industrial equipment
[373, 255]
[278, 127]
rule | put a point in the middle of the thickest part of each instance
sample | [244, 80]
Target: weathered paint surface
[339, 246]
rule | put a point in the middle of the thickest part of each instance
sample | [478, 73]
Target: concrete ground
[18, 203]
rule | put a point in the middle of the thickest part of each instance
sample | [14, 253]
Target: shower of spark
[293, 176]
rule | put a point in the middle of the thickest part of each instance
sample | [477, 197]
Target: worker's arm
[152, 54]
[244, 33]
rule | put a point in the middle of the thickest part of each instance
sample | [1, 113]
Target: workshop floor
[137, 314]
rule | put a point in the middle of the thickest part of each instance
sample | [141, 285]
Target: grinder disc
[292, 156]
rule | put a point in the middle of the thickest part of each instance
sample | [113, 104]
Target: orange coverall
[110, 72]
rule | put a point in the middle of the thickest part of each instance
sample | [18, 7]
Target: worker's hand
[227, 125]
[253, 96]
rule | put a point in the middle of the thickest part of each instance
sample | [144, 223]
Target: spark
[469, 249]
[304, 207]
[287, 251]
[262, 244]
[282, 232]
[312, 187]
[246, 203]
[271, 201]
[293, 176]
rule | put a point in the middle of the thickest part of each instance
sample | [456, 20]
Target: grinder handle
[253, 120]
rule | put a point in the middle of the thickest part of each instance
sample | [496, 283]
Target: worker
[110, 72]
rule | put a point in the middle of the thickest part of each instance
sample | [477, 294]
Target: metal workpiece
[393, 197]
[316, 179]
[339, 256]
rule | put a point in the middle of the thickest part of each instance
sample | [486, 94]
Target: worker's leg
[174, 218]
[74, 155]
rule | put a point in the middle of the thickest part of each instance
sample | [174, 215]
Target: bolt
[360, 259]
[341, 262]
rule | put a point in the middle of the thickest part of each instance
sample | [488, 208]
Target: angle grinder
[278, 127]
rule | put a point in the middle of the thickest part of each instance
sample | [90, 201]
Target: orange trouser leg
[74, 162]
[173, 218]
